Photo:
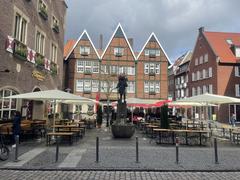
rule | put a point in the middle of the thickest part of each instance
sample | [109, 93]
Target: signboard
[38, 75]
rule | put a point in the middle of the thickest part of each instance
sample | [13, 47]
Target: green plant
[21, 50]
[39, 60]
[53, 68]
[99, 115]
[164, 117]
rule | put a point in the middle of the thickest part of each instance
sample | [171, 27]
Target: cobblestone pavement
[114, 175]
[119, 154]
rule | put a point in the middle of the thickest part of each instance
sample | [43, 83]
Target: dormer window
[229, 41]
[118, 51]
[152, 52]
[236, 50]
[84, 50]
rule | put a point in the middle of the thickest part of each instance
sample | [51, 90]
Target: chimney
[201, 29]
[101, 41]
[130, 40]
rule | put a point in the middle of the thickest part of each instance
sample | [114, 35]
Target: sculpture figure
[121, 86]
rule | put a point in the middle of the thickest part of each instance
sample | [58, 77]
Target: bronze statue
[121, 86]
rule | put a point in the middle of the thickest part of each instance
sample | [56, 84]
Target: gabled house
[214, 68]
[152, 70]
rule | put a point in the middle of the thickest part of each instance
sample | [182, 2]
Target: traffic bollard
[177, 150]
[137, 153]
[16, 149]
[57, 148]
[97, 149]
[216, 151]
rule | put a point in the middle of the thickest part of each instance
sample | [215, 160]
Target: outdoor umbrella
[208, 99]
[53, 95]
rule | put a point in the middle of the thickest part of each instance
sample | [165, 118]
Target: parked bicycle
[4, 151]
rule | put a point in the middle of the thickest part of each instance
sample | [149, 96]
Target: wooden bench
[77, 130]
[60, 134]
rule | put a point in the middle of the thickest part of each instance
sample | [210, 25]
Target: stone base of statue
[121, 128]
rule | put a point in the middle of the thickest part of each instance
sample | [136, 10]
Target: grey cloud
[175, 22]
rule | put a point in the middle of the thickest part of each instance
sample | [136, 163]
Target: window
[198, 75]
[182, 93]
[210, 72]
[237, 52]
[95, 85]
[146, 52]
[182, 79]
[20, 28]
[210, 89]
[88, 66]
[157, 87]
[186, 78]
[152, 67]
[157, 68]
[193, 76]
[204, 89]
[40, 42]
[206, 57]
[151, 87]
[84, 50]
[146, 68]
[237, 90]
[131, 87]
[7, 106]
[80, 66]
[201, 60]
[204, 74]
[113, 86]
[104, 69]
[79, 85]
[95, 67]
[193, 91]
[42, 9]
[146, 86]
[118, 51]
[87, 85]
[54, 53]
[229, 41]
[196, 61]
[199, 90]
[237, 71]
[104, 86]
[187, 93]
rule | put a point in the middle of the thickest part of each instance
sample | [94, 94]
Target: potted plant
[39, 61]
[99, 116]
[53, 69]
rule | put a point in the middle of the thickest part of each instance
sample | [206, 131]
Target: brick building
[214, 68]
[31, 51]
[90, 71]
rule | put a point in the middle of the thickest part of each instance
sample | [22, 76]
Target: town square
[119, 89]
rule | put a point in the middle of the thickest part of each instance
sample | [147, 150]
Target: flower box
[56, 28]
[152, 93]
[39, 61]
[43, 13]
[20, 50]
[53, 68]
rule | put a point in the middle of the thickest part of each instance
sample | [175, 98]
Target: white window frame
[80, 66]
[146, 86]
[210, 72]
[39, 42]
[87, 85]
[237, 71]
[79, 85]
[157, 68]
[157, 87]
[201, 60]
[95, 85]
[151, 68]
[85, 49]
[146, 68]
[20, 32]
[131, 87]
[146, 52]
[206, 58]
[55, 21]
[88, 66]
[196, 61]
[118, 50]
[54, 50]
[95, 67]
[237, 93]
[210, 89]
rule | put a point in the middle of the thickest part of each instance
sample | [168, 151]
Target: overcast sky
[175, 22]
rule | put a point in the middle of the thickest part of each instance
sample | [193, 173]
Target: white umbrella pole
[54, 109]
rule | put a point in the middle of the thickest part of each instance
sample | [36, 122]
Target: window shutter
[237, 90]
[236, 71]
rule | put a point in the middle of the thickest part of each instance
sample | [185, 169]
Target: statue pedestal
[120, 128]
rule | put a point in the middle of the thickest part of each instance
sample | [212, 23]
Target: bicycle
[4, 151]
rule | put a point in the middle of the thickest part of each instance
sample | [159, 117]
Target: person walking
[16, 125]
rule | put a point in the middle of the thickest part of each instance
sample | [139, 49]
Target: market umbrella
[52, 95]
[208, 99]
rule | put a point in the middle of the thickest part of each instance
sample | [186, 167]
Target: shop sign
[38, 75]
